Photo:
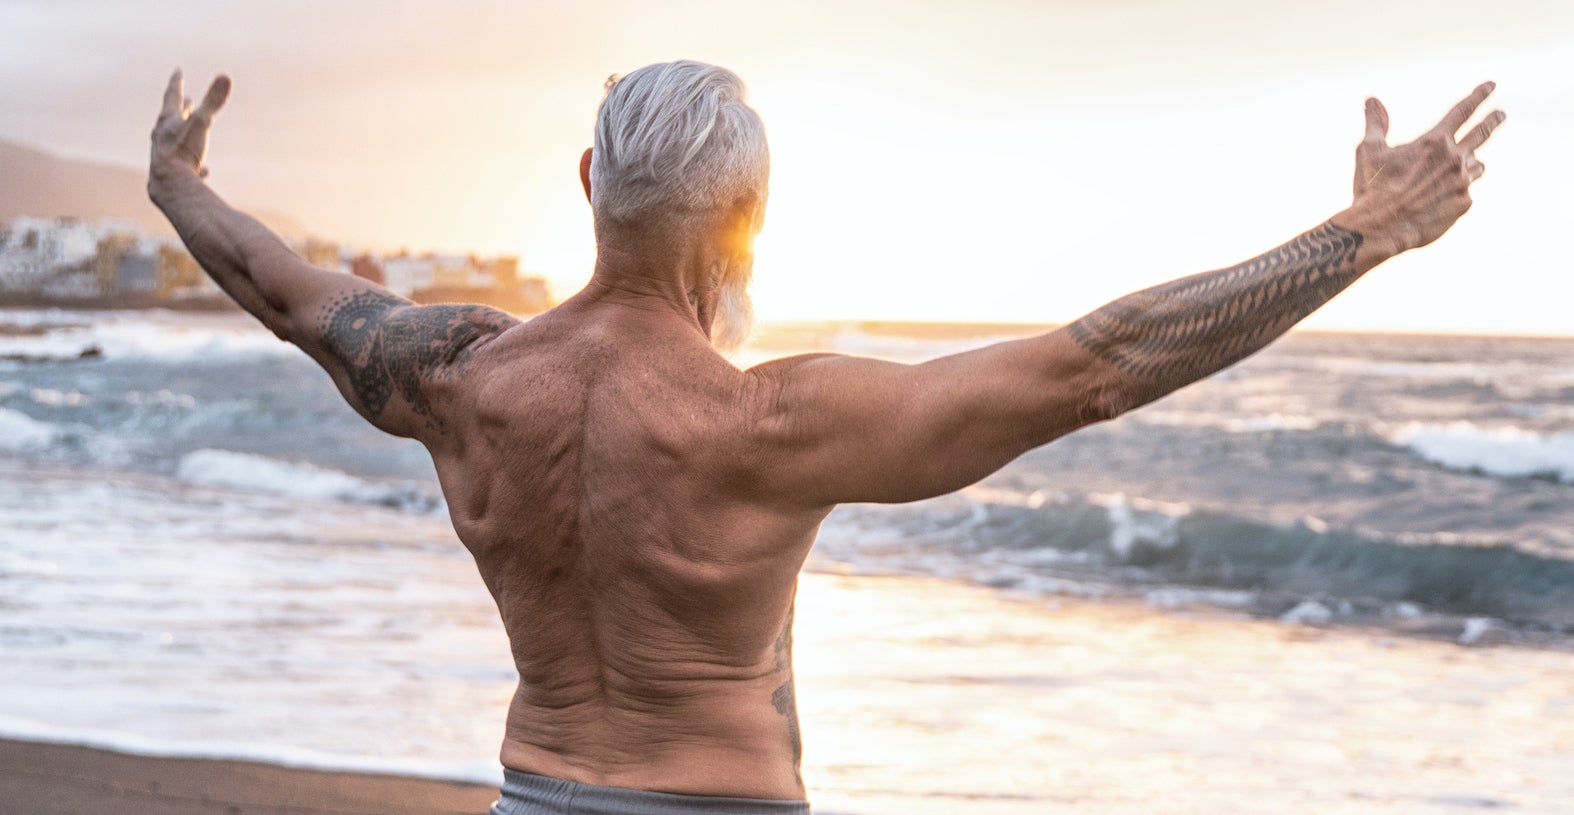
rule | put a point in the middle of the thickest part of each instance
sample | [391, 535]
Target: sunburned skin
[640, 508]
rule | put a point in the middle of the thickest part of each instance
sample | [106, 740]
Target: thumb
[1376, 123]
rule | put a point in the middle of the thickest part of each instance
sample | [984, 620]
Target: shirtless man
[640, 508]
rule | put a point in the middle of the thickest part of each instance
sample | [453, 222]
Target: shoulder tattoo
[389, 345]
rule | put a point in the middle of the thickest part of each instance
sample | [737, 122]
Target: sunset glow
[1014, 162]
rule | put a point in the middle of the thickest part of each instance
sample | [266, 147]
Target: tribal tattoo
[1178, 332]
[389, 345]
[784, 699]
[787, 705]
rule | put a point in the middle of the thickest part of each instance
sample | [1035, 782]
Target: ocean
[1341, 573]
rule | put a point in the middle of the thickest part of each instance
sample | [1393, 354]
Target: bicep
[851, 429]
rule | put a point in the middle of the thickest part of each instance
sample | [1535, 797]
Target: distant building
[112, 251]
[35, 247]
[136, 273]
[365, 266]
[405, 274]
[176, 270]
[48, 260]
[322, 254]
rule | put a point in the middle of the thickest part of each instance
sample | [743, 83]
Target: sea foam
[1504, 451]
[151, 336]
[292, 479]
[20, 432]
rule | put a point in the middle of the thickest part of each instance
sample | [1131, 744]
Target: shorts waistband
[529, 794]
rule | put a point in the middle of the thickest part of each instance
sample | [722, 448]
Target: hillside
[33, 182]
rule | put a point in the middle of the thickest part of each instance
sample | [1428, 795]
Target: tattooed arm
[850, 429]
[390, 358]
[1171, 335]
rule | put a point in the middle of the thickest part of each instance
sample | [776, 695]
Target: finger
[1479, 134]
[1457, 117]
[1376, 122]
[218, 92]
[1475, 169]
[185, 106]
[172, 95]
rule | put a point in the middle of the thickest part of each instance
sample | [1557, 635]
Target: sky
[997, 160]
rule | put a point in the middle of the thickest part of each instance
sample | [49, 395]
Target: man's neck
[679, 275]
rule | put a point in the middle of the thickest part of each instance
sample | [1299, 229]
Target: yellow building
[322, 254]
[175, 269]
[106, 262]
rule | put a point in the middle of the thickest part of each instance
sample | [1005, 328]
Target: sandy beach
[52, 779]
[926, 696]
[922, 696]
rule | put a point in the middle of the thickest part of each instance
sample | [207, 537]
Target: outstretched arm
[390, 358]
[1163, 338]
[851, 429]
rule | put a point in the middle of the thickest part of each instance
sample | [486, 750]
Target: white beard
[734, 316]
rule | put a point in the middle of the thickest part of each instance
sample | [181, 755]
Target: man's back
[596, 465]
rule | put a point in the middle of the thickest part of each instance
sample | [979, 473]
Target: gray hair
[675, 143]
[677, 148]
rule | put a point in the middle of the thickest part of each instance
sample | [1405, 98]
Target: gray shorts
[527, 794]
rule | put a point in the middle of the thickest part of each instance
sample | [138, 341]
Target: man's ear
[584, 171]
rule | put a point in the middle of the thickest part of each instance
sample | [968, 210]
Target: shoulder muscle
[391, 352]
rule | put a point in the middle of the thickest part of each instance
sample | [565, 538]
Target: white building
[34, 248]
[405, 274]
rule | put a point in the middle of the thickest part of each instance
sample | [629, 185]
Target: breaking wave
[1505, 451]
[254, 473]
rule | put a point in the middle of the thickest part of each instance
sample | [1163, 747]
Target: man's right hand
[1418, 190]
[180, 137]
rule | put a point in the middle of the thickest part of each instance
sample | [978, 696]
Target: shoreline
[921, 696]
[42, 778]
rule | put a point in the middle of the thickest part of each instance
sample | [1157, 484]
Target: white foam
[1504, 451]
[20, 432]
[55, 398]
[1474, 629]
[254, 473]
[907, 349]
[149, 335]
[279, 755]
[1229, 424]
[1128, 528]
[1308, 612]
[1478, 372]
[180, 340]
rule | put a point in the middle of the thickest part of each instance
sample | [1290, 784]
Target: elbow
[1111, 394]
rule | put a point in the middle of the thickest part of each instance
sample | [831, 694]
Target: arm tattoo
[1178, 332]
[389, 345]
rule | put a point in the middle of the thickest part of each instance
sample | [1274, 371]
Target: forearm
[235, 249]
[1166, 337]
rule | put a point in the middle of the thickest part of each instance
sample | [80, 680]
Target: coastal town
[71, 262]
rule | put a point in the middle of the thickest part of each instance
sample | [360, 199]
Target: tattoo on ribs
[784, 643]
[390, 346]
[1180, 331]
[784, 699]
[787, 705]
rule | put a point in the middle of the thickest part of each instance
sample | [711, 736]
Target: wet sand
[925, 697]
[53, 779]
